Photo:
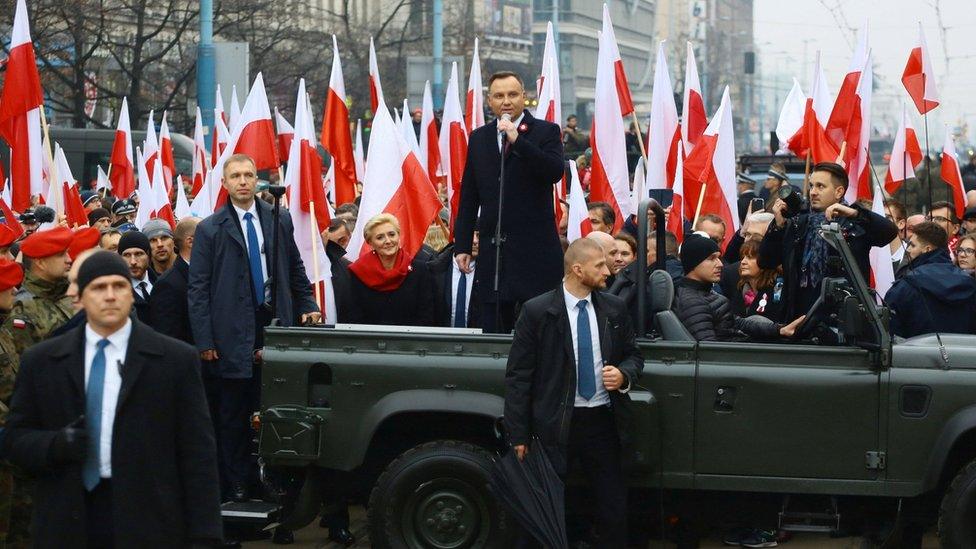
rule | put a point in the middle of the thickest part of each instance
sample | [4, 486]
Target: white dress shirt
[517, 122]
[469, 282]
[601, 397]
[145, 279]
[257, 228]
[114, 359]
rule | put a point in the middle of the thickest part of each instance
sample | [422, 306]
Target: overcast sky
[781, 29]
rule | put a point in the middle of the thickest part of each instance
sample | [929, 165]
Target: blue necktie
[460, 314]
[254, 258]
[586, 385]
[91, 470]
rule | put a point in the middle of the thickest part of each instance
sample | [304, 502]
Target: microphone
[508, 118]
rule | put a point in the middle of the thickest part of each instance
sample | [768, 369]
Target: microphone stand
[499, 239]
[277, 191]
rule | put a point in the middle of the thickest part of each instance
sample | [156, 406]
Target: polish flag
[375, 86]
[548, 86]
[710, 169]
[304, 181]
[906, 153]
[406, 128]
[453, 142]
[20, 112]
[951, 175]
[285, 134]
[162, 209]
[235, 110]
[254, 134]
[882, 270]
[844, 123]
[859, 166]
[146, 197]
[579, 217]
[676, 219]
[610, 178]
[474, 103]
[121, 168]
[205, 198]
[219, 107]
[101, 180]
[166, 154]
[694, 118]
[69, 203]
[358, 154]
[430, 153]
[335, 132]
[199, 155]
[919, 77]
[609, 40]
[398, 185]
[9, 217]
[150, 146]
[182, 210]
[812, 139]
[220, 138]
[663, 133]
[790, 117]
[639, 186]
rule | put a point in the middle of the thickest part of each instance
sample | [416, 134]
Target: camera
[793, 200]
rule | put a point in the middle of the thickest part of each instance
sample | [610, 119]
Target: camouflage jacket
[40, 308]
[9, 363]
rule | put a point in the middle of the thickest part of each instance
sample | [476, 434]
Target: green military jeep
[408, 420]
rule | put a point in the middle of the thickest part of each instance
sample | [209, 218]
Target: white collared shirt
[114, 359]
[517, 122]
[601, 397]
[145, 278]
[469, 282]
[257, 228]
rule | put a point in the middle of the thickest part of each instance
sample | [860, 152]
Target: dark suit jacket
[164, 459]
[531, 254]
[411, 304]
[540, 382]
[346, 307]
[168, 310]
[220, 294]
[442, 269]
[140, 305]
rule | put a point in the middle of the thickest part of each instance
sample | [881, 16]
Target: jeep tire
[436, 496]
[957, 514]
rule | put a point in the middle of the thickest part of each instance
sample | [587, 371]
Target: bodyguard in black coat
[531, 253]
[546, 395]
[168, 313]
[163, 489]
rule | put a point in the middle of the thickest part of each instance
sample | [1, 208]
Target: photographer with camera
[793, 239]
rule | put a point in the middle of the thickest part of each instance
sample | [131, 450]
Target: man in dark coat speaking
[531, 254]
[573, 361]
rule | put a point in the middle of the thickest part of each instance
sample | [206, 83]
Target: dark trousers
[504, 321]
[98, 516]
[595, 446]
[239, 398]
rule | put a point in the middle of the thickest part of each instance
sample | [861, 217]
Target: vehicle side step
[827, 521]
[254, 511]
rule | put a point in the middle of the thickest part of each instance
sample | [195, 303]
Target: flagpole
[928, 163]
[701, 198]
[313, 223]
[640, 135]
[806, 176]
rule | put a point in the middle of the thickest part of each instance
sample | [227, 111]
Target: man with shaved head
[573, 360]
[610, 252]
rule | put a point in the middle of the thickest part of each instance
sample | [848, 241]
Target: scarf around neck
[369, 270]
[815, 250]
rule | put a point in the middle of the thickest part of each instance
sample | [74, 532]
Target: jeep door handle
[724, 399]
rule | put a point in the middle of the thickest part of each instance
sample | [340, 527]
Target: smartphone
[758, 205]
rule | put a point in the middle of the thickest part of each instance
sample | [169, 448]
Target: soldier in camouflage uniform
[41, 305]
[14, 508]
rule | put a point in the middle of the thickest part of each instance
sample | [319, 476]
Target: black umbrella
[532, 491]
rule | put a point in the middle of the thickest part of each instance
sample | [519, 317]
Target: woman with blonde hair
[389, 286]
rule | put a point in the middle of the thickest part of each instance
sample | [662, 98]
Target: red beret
[47, 243]
[11, 274]
[7, 235]
[84, 239]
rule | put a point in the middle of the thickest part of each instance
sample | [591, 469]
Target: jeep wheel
[435, 496]
[957, 515]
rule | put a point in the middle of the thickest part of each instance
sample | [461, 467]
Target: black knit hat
[101, 263]
[134, 239]
[695, 249]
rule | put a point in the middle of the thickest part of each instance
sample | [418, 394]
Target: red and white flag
[398, 185]
[121, 167]
[610, 177]
[147, 199]
[406, 128]
[474, 104]
[235, 110]
[579, 218]
[790, 117]
[162, 209]
[221, 137]
[430, 152]
[812, 138]
[285, 134]
[150, 146]
[182, 210]
[951, 175]
[358, 153]
[68, 197]
[101, 180]
[676, 219]
[304, 181]
[710, 169]
[663, 133]
[919, 77]
[199, 165]
[375, 86]
[255, 135]
[335, 131]
[453, 144]
[548, 86]
[694, 118]
[882, 269]
[906, 153]
[859, 166]
[20, 112]
[166, 154]
[844, 123]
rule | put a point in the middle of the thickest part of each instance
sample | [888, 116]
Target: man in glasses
[944, 215]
